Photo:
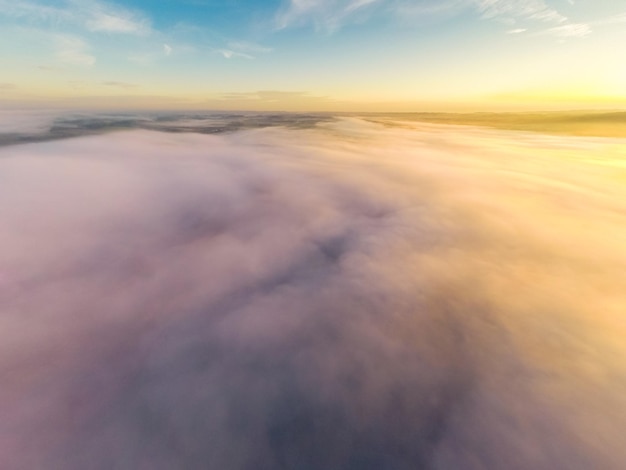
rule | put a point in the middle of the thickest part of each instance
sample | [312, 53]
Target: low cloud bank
[20, 126]
[354, 296]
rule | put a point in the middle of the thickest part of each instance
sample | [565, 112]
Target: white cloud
[90, 15]
[569, 30]
[530, 9]
[241, 49]
[230, 54]
[153, 54]
[356, 4]
[327, 15]
[519, 15]
[109, 18]
[34, 12]
[248, 47]
[105, 22]
[330, 15]
[73, 50]
[616, 19]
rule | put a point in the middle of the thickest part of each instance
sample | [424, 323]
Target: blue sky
[315, 54]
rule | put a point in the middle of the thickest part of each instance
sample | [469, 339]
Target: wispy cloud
[150, 53]
[230, 54]
[70, 31]
[248, 47]
[105, 22]
[539, 11]
[570, 30]
[521, 16]
[241, 49]
[110, 18]
[73, 50]
[528, 9]
[33, 12]
[48, 68]
[89, 15]
[616, 19]
[327, 15]
[330, 15]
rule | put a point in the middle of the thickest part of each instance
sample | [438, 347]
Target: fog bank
[350, 296]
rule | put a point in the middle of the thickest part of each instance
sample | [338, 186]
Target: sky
[314, 55]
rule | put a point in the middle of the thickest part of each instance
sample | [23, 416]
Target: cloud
[88, 15]
[241, 49]
[516, 31]
[35, 12]
[13, 121]
[104, 22]
[110, 18]
[155, 53]
[229, 54]
[615, 19]
[7, 86]
[72, 50]
[354, 295]
[48, 68]
[327, 15]
[330, 15]
[528, 9]
[570, 30]
[249, 47]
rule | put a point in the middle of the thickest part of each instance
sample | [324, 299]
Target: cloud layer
[355, 296]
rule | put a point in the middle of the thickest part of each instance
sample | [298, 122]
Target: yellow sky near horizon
[320, 55]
